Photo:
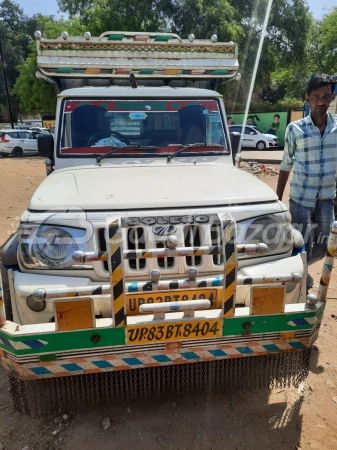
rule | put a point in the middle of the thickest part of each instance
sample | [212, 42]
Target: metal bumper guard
[80, 344]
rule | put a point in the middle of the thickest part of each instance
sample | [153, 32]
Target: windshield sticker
[214, 118]
[140, 105]
[137, 116]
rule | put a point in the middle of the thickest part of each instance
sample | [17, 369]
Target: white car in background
[40, 130]
[253, 138]
[18, 142]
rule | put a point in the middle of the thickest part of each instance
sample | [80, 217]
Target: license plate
[174, 331]
[133, 301]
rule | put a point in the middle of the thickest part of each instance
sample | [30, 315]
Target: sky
[47, 7]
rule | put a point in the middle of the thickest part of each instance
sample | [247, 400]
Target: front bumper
[23, 285]
[38, 350]
[35, 352]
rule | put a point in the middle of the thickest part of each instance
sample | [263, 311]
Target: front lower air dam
[189, 345]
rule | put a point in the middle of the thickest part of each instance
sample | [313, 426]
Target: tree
[322, 47]
[37, 95]
[319, 56]
[14, 45]
[123, 15]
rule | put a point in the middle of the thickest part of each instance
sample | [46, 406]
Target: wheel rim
[261, 146]
[17, 152]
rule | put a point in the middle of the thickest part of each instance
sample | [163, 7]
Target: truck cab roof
[141, 91]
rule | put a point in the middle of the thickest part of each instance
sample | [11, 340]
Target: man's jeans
[314, 224]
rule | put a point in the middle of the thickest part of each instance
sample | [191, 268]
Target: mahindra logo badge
[164, 230]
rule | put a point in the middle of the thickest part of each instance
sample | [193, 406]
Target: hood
[111, 187]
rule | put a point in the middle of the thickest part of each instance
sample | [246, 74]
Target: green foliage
[319, 56]
[286, 104]
[115, 15]
[322, 46]
[38, 95]
[14, 42]
[289, 104]
[35, 95]
[294, 78]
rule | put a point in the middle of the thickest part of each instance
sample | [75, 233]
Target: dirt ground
[281, 419]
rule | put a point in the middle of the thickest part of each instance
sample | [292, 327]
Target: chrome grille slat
[136, 241]
[192, 238]
[216, 240]
[136, 246]
[164, 262]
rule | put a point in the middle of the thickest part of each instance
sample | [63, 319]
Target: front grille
[216, 240]
[192, 239]
[135, 238]
[136, 241]
[164, 262]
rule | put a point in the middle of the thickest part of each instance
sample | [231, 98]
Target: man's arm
[287, 161]
[281, 184]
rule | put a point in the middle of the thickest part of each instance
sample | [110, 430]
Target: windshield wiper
[127, 147]
[182, 149]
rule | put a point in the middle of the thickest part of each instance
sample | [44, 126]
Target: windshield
[94, 127]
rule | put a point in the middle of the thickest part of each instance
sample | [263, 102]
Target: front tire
[261, 145]
[17, 152]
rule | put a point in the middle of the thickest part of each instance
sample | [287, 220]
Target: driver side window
[249, 131]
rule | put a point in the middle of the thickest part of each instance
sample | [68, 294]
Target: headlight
[50, 246]
[53, 246]
[274, 230]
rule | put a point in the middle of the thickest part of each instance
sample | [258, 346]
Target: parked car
[18, 142]
[40, 130]
[253, 138]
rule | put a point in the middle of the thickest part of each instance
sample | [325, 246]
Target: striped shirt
[314, 158]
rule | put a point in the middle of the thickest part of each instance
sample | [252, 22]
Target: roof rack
[148, 56]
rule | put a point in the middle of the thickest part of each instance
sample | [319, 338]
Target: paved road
[273, 156]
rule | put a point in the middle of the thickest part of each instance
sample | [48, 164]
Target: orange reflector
[267, 300]
[286, 335]
[172, 71]
[123, 71]
[74, 314]
[141, 38]
[92, 70]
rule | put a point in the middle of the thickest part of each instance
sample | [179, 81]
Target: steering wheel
[97, 136]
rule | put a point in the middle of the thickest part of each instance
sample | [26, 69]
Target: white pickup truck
[204, 251]
[147, 174]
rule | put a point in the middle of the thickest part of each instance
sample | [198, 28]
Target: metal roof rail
[147, 56]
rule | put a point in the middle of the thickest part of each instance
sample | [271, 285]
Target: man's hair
[277, 115]
[319, 81]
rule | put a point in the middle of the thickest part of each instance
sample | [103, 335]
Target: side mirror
[252, 132]
[45, 145]
[235, 138]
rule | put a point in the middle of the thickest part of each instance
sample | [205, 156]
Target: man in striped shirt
[311, 148]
